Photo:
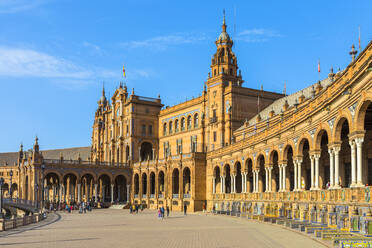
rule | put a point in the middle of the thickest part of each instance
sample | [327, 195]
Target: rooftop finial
[103, 89]
[224, 22]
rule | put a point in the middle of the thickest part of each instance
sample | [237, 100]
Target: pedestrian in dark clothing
[185, 209]
[162, 212]
[167, 211]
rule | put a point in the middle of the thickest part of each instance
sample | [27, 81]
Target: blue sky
[54, 55]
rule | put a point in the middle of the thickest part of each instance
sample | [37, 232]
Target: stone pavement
[117, 228]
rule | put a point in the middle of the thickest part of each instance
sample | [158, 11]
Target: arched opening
[261, 174]
[342, 135]
[136, 184]
[161, 183]
[104, 188]
[305, 165]
[152, 184]
[170, 127]
[196, 121]
[227, 179]
[238, 178]
[324, 171]
[183, 124]
[187, 181]
[69, 182]
[189, 122]
[175, 183]
[51, 187]
[249, 166]
[165, 129]
[367, 147]
[144, 185]
[87, 187]
[176, 126]
[146, 151]
[275, 172]
[290, 170]
[217, 179]
[120, 189]
[5, 189]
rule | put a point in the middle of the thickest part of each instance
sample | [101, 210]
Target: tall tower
[223, 77]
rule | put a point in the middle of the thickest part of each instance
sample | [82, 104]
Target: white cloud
[20, 62]
[14, 6]
[92, 46]
[257, 35]
[162, 42]
[16, 62]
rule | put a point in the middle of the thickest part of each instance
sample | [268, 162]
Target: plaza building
[232, 149]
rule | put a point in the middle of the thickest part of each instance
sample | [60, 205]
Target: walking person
[167, 211]
[159, 213]
[185, 209]
[162, 212]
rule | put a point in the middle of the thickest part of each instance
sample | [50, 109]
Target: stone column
[257, 181]
[232, 183]
[312, 172]
[270, 178]
[243, 182]
[60, 192]
[353, 163]
[280, 177]
[316, 182]
[221, 184]
[78, 192]
[214, 185]
[284, 166]
[359, 142]
[331, 168]
[95, 192]
[112, 192]
[295, 176]
[299, 179]
[336, 151]
[128, 190]
[266, 180]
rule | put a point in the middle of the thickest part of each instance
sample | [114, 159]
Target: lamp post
[1, 197]
[11, 184]
[42, 186]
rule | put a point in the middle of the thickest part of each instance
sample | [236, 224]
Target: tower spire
[224, 22]
[103, 89]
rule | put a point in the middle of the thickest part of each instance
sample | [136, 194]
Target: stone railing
[358, 196]
[7, 224]
[82, 162]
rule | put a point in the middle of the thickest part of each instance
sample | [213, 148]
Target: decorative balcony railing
[160, 196]
[144, 196]
[186, 196]
[175, 196]
[152, 195]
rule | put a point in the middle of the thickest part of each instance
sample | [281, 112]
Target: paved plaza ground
[117, 228]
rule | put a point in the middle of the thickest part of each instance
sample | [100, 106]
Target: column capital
[357, 134]
[315, 153]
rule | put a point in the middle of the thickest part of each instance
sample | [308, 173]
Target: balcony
[186, 196]
[161, 196]
[152, 196]
[144, 196]
[175, 196]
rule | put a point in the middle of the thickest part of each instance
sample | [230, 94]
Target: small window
[214, 113]
[196, 121]
[214, 136]
[150, 130]
[176, 126]
[183, 124]
[189, 122]
[143, 130]
[170, 127]
[215, 72]
[165, 129]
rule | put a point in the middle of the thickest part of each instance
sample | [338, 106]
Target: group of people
[83, 207]
[161, 212]
[134, 208]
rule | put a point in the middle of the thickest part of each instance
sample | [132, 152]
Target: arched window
[183, 124]
[196, 121]
[231, 71]
[176, 125]
[215, 72]
[170, 127]
[165, 129]
[189, 122]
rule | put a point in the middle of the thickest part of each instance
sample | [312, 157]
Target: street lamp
[1, 197]
[42, 186]
[11, 184]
